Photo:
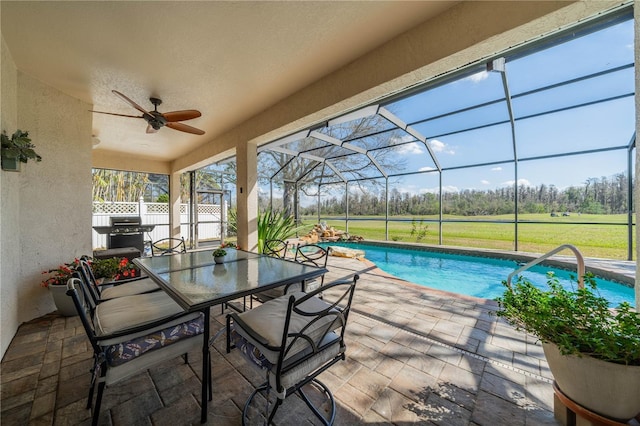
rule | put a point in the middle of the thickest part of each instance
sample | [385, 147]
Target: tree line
[605, 195]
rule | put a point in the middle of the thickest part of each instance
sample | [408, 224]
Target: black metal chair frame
[297, 347]
[277, 248]
[85, 273]
[318, 257]
[176, 245]
[100, 365]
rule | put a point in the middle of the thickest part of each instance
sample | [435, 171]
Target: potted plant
[219, 254]
[126, 270]
[105, 269]
[593, 351]
[17, 149]
[56, 282]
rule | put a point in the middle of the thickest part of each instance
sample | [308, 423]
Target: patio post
[174, 205]
[636, 201]
[247, 193]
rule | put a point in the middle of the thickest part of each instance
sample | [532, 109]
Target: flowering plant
[230, 244]
[61, 274]
[126, 270]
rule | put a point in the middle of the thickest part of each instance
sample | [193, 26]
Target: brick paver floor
[414, 356]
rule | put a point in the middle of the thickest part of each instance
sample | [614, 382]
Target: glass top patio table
[195, 281]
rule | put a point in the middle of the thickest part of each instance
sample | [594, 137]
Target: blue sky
[601, 125]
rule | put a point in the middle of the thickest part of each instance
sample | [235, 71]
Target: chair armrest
[325, 287]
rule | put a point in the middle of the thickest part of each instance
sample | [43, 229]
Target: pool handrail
[579, 263]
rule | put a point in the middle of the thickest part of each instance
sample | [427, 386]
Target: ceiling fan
[156, 119]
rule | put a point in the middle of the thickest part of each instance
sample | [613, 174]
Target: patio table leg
[206, 365]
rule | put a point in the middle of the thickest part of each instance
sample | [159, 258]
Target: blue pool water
[470, 275]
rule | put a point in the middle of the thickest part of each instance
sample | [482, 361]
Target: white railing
[157, 214]
[579, 263]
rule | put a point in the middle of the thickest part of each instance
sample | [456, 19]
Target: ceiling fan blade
[187, 114]
[150, 129]
[119, 115]
[184, 128]
[130, 102]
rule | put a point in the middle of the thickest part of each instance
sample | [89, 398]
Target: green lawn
[593, 240]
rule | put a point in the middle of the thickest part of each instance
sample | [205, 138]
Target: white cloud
[396, 140]
[521, 182]
[426, 169]
[411, 189]
[435, 190]
[439, 146]
[410, 148]
[496, 169]
[479, 76]
[485, 182]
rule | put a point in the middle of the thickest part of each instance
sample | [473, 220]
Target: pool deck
[414, 356]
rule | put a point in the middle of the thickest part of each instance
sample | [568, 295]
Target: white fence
[209, 218]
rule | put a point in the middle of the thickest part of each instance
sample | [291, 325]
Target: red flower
[61, 274]
[126, 270]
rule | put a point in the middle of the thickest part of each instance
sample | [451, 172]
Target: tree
[307, 174]
[116, 185]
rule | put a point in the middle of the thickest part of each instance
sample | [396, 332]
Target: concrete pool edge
[621, 271]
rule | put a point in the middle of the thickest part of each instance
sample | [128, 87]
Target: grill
[125, 231]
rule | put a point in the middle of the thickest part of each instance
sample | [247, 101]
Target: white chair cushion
[302, 370]
[268, 321]
[125, 313]
[145, 285]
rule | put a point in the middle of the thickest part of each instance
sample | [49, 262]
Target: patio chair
[131, 334]
[314, 255]
[294, 338]
[308, 254]
[100, 292]
[168, 246]
[276, 248]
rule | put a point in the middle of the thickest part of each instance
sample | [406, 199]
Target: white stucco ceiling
[230, 60]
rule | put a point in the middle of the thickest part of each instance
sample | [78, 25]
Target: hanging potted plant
[17, 149]
[57, 285]
[593, 351]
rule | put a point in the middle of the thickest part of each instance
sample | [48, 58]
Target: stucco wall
[46, 208]
[9, 207]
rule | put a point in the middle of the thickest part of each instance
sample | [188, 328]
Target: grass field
[594, 240]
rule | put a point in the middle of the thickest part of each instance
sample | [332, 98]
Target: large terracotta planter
[64, 303]
[611, 390]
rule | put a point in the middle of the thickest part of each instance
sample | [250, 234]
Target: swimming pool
[470, 275]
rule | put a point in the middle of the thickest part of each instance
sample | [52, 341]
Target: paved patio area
[414, 356]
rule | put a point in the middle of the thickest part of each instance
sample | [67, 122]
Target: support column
[247, 193]
[636, 26]
[174, 205]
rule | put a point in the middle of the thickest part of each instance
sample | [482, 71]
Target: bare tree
[372, 134]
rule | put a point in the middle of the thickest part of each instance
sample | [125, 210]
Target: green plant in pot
[275, 225]
[593, 351]
[16, 149]
[219, 254]
[105, 268]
